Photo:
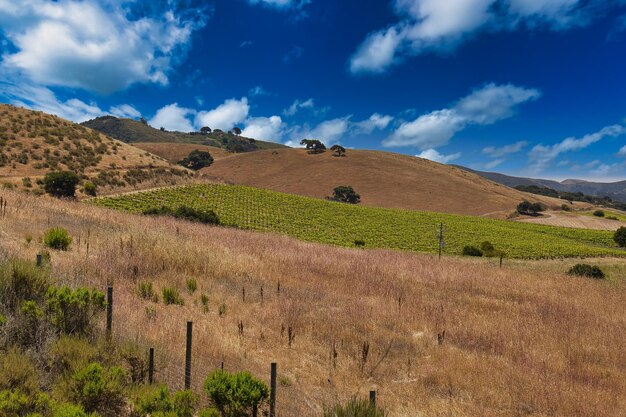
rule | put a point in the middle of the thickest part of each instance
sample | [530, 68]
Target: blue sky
[526, 87]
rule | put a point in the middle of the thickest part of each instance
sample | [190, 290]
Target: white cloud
[257, 91]
[226, 115]
[493, 164]
[542, 156]
[94, 46]
[264, 128]
[375, 121]
[173, 118]
[297, 105]
[482, 107]
[427, 25]
[504, 150]
[125, 110]
[622, 152]
[433, 155]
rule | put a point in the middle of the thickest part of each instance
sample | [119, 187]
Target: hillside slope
[131, 131]
[382, 179]
[34, 143]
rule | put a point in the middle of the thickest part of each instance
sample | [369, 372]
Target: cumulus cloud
[493, 164]
[504, 150]
[125, 110]
[434, 25]
[375, 121]
[264, 128]
[226, 115]
[173, 117]
[434, 155]
[482, 107]
[101, 47]
[542, 156]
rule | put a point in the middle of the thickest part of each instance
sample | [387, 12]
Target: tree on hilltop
[197, 160]
[236, 131]
[338, 150]
[313, 145]
[205, 129]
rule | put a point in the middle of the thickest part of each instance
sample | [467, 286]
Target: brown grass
[175, 152]
[518, 341]
[382, 179]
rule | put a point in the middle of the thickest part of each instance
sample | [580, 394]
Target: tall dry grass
[449, 338]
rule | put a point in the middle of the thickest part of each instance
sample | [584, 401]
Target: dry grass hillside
[34, 143]
[175, 152]
[450, 338]
[382, 179]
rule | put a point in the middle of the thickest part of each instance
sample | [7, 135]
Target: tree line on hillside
[571, 197]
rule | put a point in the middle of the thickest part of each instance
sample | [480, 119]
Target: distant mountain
[614, 190]
[131, 131]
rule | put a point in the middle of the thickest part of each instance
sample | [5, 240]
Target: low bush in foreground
[355, 408]
[585, 270]
[57, 238]
[471, 251]
[186, 213]
[172, 296]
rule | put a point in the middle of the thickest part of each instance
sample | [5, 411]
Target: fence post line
[373, 398]
[273, 390]
[109, 311]
[39, 259]
[151, 366]
[501, 256]
[188, 356]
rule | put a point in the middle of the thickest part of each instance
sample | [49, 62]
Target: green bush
[185, 213]
[90, 188]
[471, 251]
[57, 238]
[71, 311]
[345, 194]
[235, 395]
[620, 236]
[21, 280]
[611, 218]
[70, 353]
[359, 243]
[172, 296]
[355, 408]
[157, 402]
[197, 160]
[146, 291]
[99, 389]
[598, 213]
[585, 270]
[210, 412]
[71, 410]
[192, 285]
[61, 184]
[565, 207]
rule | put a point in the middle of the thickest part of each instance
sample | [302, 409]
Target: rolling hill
[131, 131]
[614, 190]
[382, 179]
[34, 143]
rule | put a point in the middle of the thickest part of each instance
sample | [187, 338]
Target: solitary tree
[205, 129]
[197, 160]
[620, 236]
[313, 145]
[236, 131]
[345, 194]
[338, 150]
[61, 184]
[526, 207]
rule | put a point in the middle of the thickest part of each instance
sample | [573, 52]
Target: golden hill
[34, 143]
[176, 151]
[381, 178]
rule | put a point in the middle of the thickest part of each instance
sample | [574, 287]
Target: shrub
[158, 402]
[90, 188]
[620, 236]
[355, 408]
[146, 291]
[221, 310]
[487, 248]
[186, 213]
[172, 296]
[21, 280]
[611, 218]
[57, 238]
[345, 194]
[235, 395]
[70, 410]
[99, 389]
[526, 207]
[18, 373]
[192, 285]
[585, 270]
[471, 251]
[359, 243]
[71, 311]
[61, 184]
[197, 160]
[70, 353]
[598, 213]
[565, 207]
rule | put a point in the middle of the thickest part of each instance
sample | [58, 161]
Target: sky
[523, 87]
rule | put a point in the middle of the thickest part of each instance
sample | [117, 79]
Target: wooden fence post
[151, 366]
[273, 390]
[109, 312]
[188, 356]
[39, 259]
[373, 398]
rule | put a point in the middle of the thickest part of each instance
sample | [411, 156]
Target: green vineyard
[343, 224]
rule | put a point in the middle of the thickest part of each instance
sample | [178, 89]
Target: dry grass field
[175, 151]
[435, 338]
[382, 179]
